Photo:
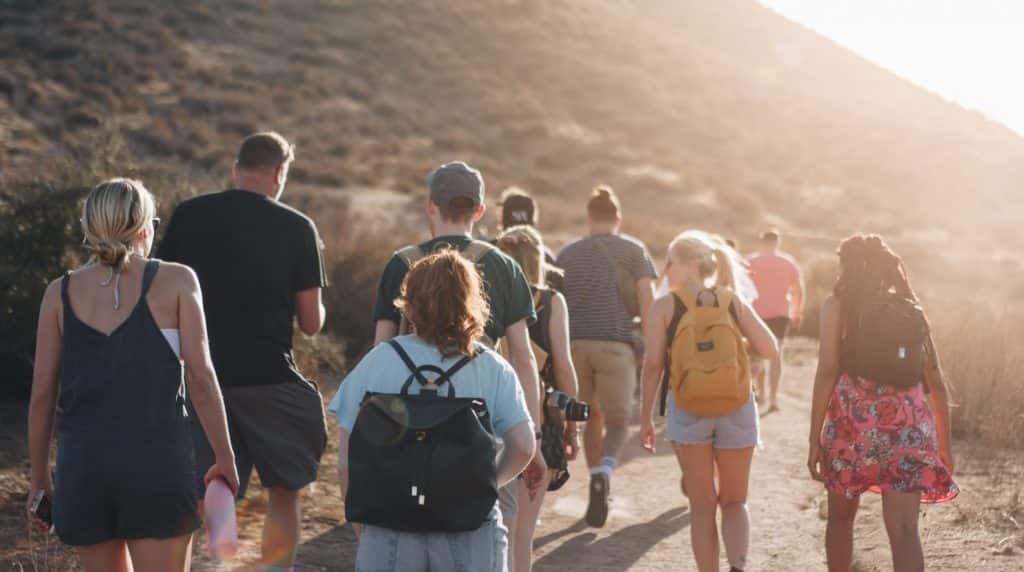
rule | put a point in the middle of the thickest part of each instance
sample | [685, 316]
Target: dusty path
[648, 527]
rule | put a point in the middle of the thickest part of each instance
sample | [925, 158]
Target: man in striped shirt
[609, 280]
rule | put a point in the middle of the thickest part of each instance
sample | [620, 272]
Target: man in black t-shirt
[260, 266]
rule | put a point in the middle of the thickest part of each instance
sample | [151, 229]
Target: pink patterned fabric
[882, 439]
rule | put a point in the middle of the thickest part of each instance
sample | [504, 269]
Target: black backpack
[422, 463]
[887, 343]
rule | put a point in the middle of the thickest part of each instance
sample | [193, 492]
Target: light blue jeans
[482, 550]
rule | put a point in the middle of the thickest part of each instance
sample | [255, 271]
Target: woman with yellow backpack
[695, 337]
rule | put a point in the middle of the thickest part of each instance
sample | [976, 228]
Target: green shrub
[38, 226]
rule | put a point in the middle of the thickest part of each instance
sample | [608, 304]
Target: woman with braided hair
[869, 435]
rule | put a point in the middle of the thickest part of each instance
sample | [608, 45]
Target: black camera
[573, 409]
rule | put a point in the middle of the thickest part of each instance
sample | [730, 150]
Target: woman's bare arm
[938, 399]
[655, 340]
[561, 355]
[200, 376]
[761, 339]
[828, 366]
[45, 385]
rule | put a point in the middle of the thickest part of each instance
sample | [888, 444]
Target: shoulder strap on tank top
[65, 298]
[147, 276]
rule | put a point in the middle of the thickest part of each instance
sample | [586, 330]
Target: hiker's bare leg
[162, 554]
[733, 481]
[616, 432]
[698, 465]
[526, 524]
[842, 512]
[775, 380]
[593, 436]
[110, 556]
[757, 372]
[281, 527]
[901, 514]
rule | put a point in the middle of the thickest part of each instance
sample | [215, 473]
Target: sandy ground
[648, 528]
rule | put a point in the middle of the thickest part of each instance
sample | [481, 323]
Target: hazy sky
[970, 51]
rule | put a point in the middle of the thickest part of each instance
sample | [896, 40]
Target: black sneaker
[597, 510]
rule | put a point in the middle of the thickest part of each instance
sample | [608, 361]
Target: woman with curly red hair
[442, 298]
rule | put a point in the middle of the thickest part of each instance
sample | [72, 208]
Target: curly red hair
[443, 299]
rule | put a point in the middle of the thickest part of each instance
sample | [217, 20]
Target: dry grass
[984, 364]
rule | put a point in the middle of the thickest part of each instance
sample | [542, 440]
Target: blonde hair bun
[114, 213]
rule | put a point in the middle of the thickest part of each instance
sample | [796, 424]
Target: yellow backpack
[709, 367]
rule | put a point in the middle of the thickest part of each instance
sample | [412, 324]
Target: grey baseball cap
[454, 180]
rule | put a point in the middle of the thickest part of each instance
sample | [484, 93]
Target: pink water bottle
[221, 525]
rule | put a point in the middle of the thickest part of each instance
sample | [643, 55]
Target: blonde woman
[706, 445]
[111, 341]
[550, 338]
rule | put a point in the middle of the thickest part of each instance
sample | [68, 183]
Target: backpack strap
[540, 331]
[446, 377]
[408, 363]
[443, 376]
[677, 316]
[410, 255]
[475, 251]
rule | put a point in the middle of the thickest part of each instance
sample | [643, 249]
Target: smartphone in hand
[42, 509]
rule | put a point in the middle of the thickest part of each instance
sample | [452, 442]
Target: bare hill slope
[722, 113]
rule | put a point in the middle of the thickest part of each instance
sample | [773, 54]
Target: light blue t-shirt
[488, 377]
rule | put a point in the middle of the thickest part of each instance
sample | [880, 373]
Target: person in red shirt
[780, 302]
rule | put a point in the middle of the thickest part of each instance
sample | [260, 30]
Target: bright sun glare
[965, 50]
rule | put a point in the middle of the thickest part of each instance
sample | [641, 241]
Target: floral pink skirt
[882, 439]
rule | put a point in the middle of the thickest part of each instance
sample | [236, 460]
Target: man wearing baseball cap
[454, 204]
[519, 208]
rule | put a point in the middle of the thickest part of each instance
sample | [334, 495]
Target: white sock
[596, 470]
[608, 466]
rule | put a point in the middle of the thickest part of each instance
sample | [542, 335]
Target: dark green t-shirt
[504, 284]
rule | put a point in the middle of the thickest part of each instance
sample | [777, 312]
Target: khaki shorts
[607, 375]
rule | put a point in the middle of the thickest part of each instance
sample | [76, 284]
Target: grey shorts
[482, 550]
[737, 430]
[279, 429]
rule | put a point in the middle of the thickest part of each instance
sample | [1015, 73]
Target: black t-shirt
[252, 254]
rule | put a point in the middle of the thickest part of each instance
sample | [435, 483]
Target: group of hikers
[167, 373]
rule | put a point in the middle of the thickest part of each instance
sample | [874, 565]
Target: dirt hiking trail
[648, 528]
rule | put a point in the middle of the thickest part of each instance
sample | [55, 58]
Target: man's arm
[524, 363]
[385, 330]
[385, 315]
[644, 297]
[308, 278]
[310, 311]
[798, 300]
